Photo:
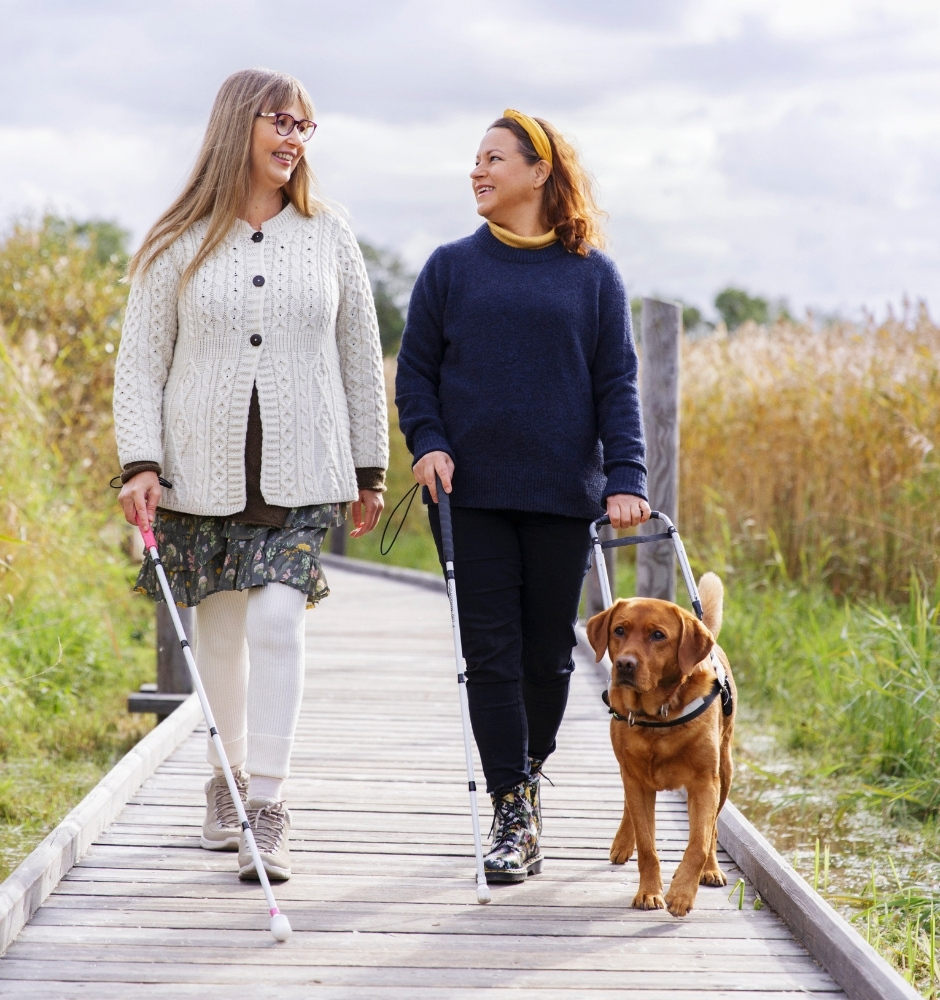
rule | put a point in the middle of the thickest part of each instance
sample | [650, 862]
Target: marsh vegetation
[809, 481]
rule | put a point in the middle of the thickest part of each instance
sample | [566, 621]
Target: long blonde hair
[569, 202]
[218, 184]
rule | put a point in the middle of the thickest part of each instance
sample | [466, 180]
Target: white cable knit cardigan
[292, 312]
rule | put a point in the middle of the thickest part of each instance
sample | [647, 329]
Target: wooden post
[593, 603]
[661, 330]
[172, 672]
[173, 681]
[337, 540]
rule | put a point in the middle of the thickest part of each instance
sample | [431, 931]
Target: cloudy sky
[788, 146]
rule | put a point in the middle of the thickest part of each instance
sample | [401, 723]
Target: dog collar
[691, 711]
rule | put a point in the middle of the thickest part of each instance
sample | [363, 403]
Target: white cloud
[791, 146]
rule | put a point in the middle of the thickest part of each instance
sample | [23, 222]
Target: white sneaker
[270, 823]
[221, 830]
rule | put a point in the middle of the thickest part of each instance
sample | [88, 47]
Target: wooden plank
[441, 951]
[436, 920]
[101, 909]
[277, 971]
[122, 990]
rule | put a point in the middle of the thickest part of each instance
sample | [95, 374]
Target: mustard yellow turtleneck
[522, 242]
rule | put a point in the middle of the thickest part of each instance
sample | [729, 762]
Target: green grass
[74, 641]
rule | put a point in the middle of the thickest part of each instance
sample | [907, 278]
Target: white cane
[280, 925]
[447, 543]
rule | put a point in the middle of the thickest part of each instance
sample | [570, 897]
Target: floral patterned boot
[515, 853]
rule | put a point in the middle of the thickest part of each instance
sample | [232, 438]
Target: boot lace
[535, 771]
[510, 815]
[267, 824]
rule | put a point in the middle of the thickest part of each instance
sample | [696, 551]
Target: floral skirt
[204, 555]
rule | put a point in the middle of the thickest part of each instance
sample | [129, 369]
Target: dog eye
[657, 636]
[618, 630]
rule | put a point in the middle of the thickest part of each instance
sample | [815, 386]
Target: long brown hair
[568, 194]
[218, 184]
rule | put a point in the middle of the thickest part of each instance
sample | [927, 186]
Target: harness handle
[671, 532]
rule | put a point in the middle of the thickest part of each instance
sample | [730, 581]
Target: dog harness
[693, 710]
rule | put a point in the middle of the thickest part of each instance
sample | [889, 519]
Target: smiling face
[274, 156]
[503, 180]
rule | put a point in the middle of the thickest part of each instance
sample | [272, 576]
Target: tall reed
[815, 448]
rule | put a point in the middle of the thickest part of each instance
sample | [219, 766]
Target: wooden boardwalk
[382, 900]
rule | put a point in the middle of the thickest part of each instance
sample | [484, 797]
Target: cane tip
[280, 927]
[483, 893]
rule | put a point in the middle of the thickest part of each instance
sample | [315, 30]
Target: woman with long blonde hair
[249, 409]
[517, 387]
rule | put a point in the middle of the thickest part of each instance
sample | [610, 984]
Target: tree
[691, 317]
[391, 288]
[737, 307]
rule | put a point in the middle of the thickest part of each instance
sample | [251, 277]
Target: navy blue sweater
[520, 364]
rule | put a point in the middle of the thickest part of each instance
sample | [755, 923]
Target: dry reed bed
[814, 449]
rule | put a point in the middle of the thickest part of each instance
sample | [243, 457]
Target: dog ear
[696, 643]
[597, 631]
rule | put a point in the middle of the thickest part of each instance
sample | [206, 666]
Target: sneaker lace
[267, 824]
[225, 810]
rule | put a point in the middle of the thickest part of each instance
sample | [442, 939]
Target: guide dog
[672, 697]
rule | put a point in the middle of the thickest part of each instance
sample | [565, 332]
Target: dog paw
[713, 876]
[620, 853]
[679, 903]
[648, 901]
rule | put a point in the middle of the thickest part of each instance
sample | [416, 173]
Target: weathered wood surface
[659, 391]
[172, 671]
[382, 901]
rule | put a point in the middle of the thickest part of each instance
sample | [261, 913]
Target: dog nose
[626, 669]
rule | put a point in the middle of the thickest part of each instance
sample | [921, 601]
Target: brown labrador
[660, 664]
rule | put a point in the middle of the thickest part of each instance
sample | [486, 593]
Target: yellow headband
[535, 132]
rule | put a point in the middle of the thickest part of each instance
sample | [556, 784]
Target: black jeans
[518, 579]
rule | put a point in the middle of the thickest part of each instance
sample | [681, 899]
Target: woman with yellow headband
[517, 386]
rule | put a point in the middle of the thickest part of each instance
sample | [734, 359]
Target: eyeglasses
[285, 124]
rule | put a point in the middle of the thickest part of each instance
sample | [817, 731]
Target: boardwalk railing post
[172, 672]
[173, 685]
[337, 540]
[661, 329]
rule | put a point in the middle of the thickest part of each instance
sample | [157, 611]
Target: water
[793, 810]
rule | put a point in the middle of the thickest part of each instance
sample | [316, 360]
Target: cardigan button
[258, 280]
[257, 237]
[255, 340]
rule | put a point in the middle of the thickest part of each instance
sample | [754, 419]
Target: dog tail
[712, 592]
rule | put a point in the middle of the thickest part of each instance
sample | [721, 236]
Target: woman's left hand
[626, 510]
[366, 512]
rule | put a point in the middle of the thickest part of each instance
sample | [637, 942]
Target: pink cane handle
[149, 541]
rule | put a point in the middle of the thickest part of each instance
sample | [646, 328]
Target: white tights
[255, 709]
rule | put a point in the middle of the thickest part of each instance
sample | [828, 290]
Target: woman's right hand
[139, 498]
[430, 466]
